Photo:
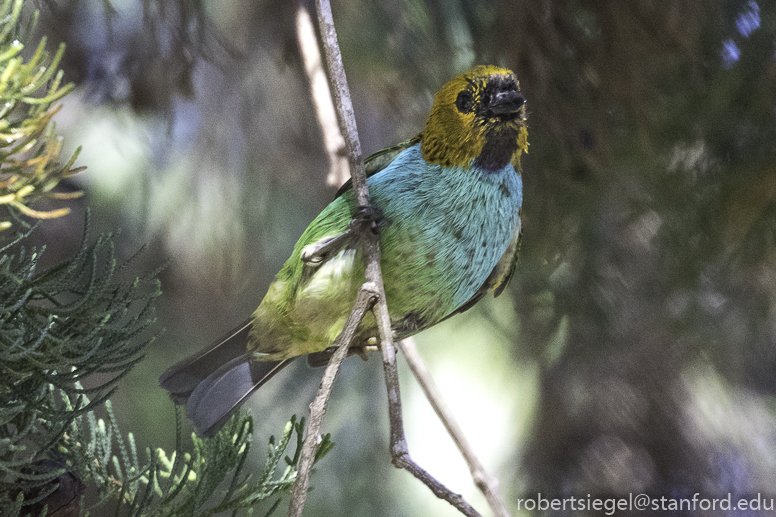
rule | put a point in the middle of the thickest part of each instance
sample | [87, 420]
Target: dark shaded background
[634, 350]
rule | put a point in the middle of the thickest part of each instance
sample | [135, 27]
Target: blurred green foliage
[69, 333]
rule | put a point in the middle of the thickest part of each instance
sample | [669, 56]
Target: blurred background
[635, 349]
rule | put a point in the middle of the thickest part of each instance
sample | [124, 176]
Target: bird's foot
[362, 350]
[367, 218]
[317, 359]
[319, 252]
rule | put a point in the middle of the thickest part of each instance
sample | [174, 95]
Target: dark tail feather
[213, 383]
[215, 399]
[181, 378]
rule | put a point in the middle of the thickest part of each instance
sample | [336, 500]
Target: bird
[446, 205]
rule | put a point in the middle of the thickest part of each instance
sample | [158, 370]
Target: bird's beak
[504, 103]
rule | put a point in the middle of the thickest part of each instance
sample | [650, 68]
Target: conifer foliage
[70, 333]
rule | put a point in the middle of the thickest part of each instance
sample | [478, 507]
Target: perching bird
[447, 206]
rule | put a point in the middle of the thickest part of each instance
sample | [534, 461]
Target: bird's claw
[322, 358]
[362, 351]
[366, 217]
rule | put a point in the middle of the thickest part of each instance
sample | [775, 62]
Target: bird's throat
[500, 149]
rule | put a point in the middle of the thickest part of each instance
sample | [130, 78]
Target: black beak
[506, 102]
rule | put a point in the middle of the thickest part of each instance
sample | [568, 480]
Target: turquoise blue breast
[445, 230]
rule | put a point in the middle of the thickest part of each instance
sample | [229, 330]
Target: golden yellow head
[480, 116]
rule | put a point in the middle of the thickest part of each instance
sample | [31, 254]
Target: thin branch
[370, 244]
[487, 485]
[364, 301]
[368, 292]
[399, 450]
[342, 102]
[333, 142]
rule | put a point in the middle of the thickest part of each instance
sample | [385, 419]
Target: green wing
[379, 161]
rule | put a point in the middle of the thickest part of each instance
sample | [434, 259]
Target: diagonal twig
[375, 292]
[364, 301]
[333, 142]
[487, 485]
[366, 295]
[399, 450]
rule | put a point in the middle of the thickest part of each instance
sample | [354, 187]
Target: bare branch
[367, 294]
[342, 100]
[333, 142]
[399, 451]
[369, 241]
[371, 247]
[487, 485]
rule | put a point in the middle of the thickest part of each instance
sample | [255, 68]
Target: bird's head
[480, 116]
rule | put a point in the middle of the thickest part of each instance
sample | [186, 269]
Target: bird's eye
[464, 102]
